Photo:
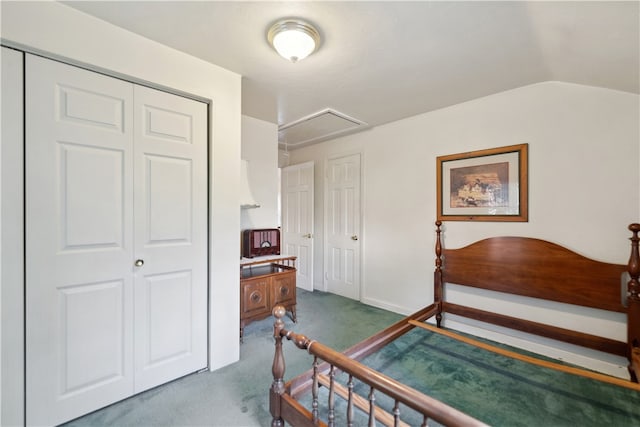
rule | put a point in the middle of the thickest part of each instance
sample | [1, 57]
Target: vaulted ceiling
[386, 60]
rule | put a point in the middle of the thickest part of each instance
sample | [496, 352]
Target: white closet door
[79, 241]
[170, 236]
[116, 175]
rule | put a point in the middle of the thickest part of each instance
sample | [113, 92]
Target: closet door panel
[79, 241]
[86, 171]
[170, 236]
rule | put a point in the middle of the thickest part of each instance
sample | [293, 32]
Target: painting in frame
[483, 185]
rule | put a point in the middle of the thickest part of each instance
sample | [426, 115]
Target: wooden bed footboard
[285, 408]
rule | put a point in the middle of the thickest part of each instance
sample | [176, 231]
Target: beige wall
[583, 185]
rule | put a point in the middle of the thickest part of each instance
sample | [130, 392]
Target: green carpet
[237, 395]
[498, 390]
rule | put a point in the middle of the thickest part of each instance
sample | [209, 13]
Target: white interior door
[79, 241]
[115, 173]
[170, 237]
[297, 220]
[342, 226]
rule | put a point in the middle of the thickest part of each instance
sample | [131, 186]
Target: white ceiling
[387, 60]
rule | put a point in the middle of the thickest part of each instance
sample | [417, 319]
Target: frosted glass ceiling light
[293, 39]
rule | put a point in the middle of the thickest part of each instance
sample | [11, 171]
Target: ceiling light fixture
[294, 39]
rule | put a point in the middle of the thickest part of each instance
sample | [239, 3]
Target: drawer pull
[284, 291]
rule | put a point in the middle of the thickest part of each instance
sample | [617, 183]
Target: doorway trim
[12, 262]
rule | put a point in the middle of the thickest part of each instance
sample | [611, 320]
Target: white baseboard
[386, 306]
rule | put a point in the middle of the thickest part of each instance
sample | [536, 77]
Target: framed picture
[484, 185]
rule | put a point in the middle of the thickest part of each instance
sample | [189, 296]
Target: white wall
[64, 32]
[583, 184]
[260, 149]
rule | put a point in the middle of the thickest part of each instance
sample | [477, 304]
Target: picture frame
[484, 185]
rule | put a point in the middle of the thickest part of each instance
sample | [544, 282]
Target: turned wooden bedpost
[633, 305]
[437, 275]
[278, 367]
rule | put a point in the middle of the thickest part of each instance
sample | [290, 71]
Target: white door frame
[12, 231]
[326, 223]
[12, 171]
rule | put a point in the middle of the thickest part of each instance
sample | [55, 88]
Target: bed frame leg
[437, 275]
[633, 305]
[277, 369]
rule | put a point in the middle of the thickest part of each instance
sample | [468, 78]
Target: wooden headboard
[541, 269]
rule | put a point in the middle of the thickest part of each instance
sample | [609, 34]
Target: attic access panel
[317, 127]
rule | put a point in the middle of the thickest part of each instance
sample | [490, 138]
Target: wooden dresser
[265, 282]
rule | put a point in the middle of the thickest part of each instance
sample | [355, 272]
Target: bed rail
[284, 408]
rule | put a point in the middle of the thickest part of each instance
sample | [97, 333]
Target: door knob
[308, 235]
[354, 237]
[139, 263]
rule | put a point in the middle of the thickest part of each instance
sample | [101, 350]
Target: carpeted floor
[237, 395]
[500, 391]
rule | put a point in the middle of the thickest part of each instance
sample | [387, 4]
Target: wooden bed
[513, 265]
